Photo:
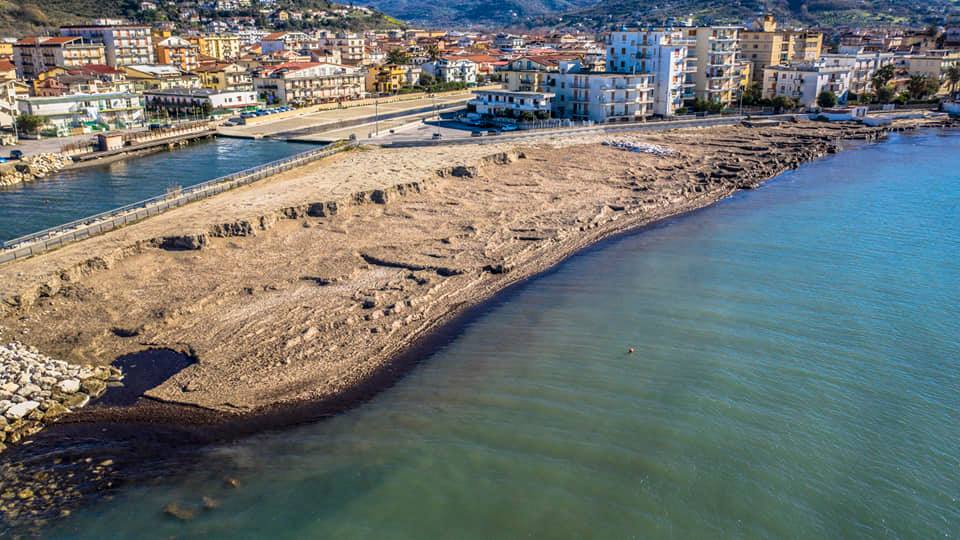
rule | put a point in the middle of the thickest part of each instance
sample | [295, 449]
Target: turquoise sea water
[78, 193]
[796, 375]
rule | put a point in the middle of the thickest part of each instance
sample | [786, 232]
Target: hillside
[29, 17]
[463, 13]
[810, 12]
[600, 13]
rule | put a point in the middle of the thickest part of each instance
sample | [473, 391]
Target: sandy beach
[303, 287]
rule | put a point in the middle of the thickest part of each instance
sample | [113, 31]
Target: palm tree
[953, 77]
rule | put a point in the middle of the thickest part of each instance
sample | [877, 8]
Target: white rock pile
[641, 148]
[36, 389]
[32, 167]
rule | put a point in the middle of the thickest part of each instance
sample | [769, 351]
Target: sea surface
[796, 375]
[82, 192]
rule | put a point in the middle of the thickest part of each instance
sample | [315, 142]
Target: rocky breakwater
[32, 168]
[36, 390]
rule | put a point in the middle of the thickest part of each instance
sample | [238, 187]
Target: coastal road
[341, 115]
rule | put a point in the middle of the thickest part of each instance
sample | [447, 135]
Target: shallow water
[796, 374]
[78, 193]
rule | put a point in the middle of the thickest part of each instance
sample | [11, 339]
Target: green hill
[31, 17]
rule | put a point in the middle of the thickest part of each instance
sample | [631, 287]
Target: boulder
[20, 410]
[69, 386]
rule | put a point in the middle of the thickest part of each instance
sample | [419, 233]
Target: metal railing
[54, 237]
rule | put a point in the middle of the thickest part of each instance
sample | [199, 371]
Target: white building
[173, 98]
[862, 67]
[661, 53]
[309, 83]
[450, 69]
[512, 104]
[508, 42]
[124, 44]
[806, 82]
[81, 112]
[600, 97]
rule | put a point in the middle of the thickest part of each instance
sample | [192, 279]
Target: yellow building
[764, 46]
[390, 79]
[807, 45]
[225, 77]
[219, 46]
[176, 51]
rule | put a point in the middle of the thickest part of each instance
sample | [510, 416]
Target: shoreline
[411, 348]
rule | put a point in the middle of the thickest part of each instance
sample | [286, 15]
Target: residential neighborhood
[105, 74]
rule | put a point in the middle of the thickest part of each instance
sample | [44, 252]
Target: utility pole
[376, 104]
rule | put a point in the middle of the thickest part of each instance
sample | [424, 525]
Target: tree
[885, 94]
[827, 99]
[753, 94]
[398, 57]
[30, 123]
[953, 77]
[883, 76]
[427, 80]
[783, 103]
[433, 52]
[922, 86]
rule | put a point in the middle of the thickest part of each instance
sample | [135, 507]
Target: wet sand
[307, 288]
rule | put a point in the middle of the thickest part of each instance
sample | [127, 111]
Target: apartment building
[34, 55]
[933, 64]
[351, 46]
[716, 52]
[79, 113]
[124, 44]
[225, 77]
[284, 41]
[177, 51]
[186, 98]
[449, 69]
[862, 67]
[309, 83]
[219, 46]
[529, 73]
[662, 53]
[805, 82]
[601, 97]
[160, 76]
[504, 103]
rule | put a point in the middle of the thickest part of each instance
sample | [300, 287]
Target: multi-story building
[187, 98]
[504, 103]
[529, 73]
[160, 76]
[309, 83]
[716, 51]
[176, 51]
[34, 55]
[662, 53]
[807, 45]
[764, 46]
[124, 44]
[805, 82]
[225, 77]
[387, 79]
[862, 67]
[284, 41]
[78, 113]
[508, 42]
[933, 64]
[449, 69]
[219, 46]
[600, 97]
[351, 46]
